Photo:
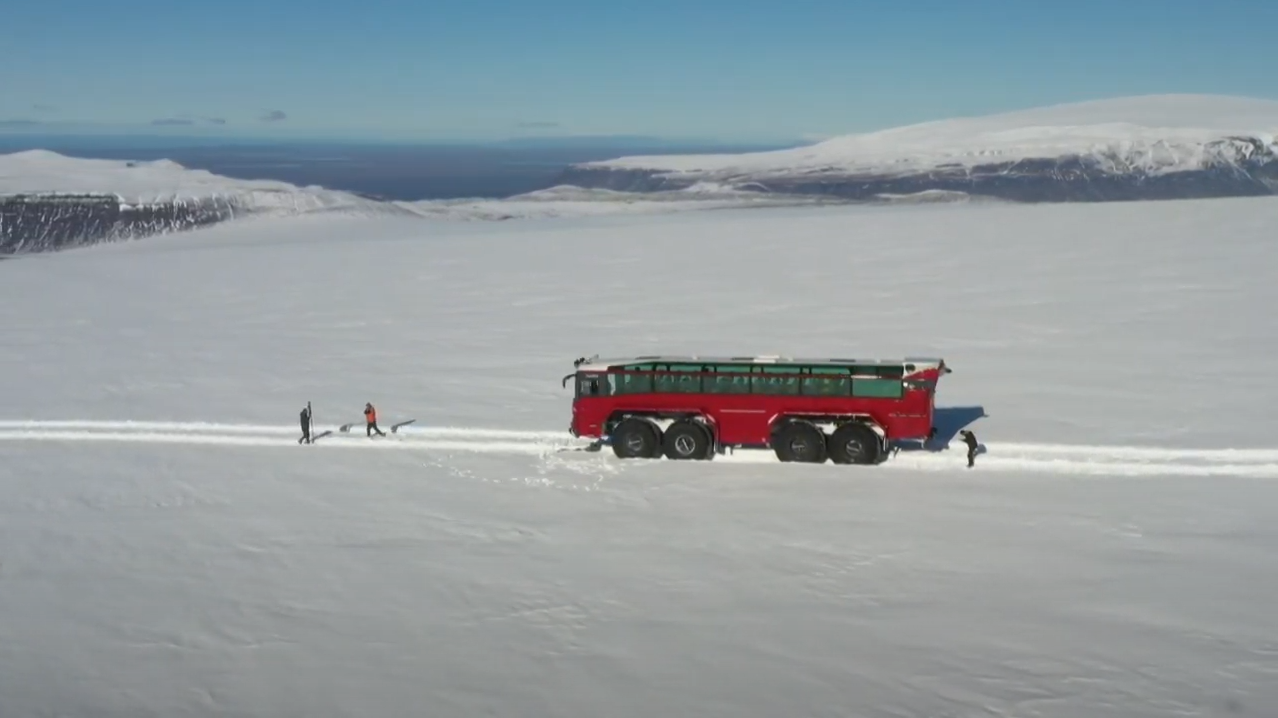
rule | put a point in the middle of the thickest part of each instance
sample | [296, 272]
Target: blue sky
[724, 69]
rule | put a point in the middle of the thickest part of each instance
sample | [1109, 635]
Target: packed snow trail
[197, 427]
[500, 441]
[1003, 457]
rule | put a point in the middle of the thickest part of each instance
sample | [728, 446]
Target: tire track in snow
[1081, 463]
[1010, 457]
[200, 427]
[439, 439]
[1098, 460]
[212, 439]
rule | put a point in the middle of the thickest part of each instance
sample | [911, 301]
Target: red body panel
[747, 419]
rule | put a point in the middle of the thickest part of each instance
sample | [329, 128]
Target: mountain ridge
[1157, 147]
[1133, 148]
[49, 201]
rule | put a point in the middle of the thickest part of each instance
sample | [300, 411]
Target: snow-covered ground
[167, 549]
[1155, 134]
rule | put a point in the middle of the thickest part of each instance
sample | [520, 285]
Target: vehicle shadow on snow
[948, 421]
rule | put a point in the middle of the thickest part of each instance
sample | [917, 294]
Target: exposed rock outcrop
[42, 223]
[50, 201]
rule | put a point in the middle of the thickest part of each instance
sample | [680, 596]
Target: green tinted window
[680, 379]
[842, 370]
[886, 371]
[663, 383]
[765, 380]
[878, 388]
[728, 382]
[633, 383]
[827, 381]
[686, 383]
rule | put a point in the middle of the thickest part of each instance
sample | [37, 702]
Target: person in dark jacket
[306, 426]
[970, 439]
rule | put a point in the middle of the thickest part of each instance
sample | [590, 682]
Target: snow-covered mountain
[50, 201]
[1149, 147]
[1139, 148]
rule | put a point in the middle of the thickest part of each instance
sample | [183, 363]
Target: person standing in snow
[370, 416]
[306, 426]
[970, 439]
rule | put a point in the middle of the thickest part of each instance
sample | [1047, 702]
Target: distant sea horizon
[399, 172]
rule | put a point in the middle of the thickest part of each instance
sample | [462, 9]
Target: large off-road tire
[799, 441]
[688, 440]
[855, 443]
[636, 439]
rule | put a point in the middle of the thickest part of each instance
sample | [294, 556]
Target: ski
[346, 428]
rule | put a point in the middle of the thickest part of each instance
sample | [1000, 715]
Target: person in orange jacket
[370, 416]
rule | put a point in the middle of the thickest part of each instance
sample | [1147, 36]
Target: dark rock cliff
[43, 223]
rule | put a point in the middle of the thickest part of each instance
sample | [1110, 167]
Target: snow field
[167, 549]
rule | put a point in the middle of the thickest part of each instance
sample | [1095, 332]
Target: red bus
[848, 411]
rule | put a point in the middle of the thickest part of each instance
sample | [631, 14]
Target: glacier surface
[167, 549]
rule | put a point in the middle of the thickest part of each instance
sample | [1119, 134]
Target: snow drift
[1153, 147]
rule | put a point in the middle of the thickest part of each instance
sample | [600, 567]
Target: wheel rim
[854, 448]
[634, 442]
[799, 446]
[685, 445]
